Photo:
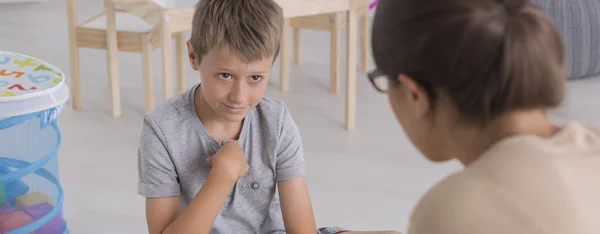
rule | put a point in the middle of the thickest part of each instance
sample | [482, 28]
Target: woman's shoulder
[449, 203]
[512, 181]
[576, 134]
[525, 153]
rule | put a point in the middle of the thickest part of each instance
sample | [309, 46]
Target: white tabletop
[125, 22]
[291, 8]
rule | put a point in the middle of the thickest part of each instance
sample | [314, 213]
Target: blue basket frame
[47, 119]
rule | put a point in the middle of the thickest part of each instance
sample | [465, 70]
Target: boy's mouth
[233, 109]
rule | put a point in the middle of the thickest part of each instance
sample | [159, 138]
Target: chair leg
[147, 72]
[76, 78]
[284, 57]
[166, 39]
[74, 55]
[112, 53]
[296, 46]
[181, 53]
[350, 120]
[334, 84]
[364, 42]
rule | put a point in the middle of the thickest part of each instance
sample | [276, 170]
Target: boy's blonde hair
[250, 28]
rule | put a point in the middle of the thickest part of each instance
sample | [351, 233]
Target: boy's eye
[225, 76]
[255, 78]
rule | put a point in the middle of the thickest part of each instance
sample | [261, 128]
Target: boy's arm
[296, 207]
[160, 212]
[201, 213]
[294, 197]
[159, 184]
[163, 214]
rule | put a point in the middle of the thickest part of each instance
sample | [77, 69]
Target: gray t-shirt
[174, 146]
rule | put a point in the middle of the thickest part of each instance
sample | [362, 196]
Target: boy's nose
[238, 92]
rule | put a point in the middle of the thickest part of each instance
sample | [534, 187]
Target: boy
[212, 158]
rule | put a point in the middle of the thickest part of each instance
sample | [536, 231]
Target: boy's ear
[192, 56]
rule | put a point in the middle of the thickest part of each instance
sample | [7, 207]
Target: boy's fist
[229, 161]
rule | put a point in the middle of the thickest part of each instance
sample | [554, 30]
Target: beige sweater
[522, 185]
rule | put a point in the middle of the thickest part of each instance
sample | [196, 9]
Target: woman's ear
[192, 56]
[416, 96]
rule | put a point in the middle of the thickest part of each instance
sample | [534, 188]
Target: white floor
[369, 178]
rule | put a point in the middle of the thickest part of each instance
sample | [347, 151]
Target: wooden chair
[115, 31]
[173, 16]
[334, 22]
[169, 17]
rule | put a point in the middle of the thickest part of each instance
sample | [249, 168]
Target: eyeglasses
[382, 82]
[379, 80]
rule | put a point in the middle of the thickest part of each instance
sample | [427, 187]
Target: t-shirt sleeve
[290, 155]
[156, 171]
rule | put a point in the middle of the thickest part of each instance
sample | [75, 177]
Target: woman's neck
[472, 142]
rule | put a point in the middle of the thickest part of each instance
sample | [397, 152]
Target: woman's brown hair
[488, 56]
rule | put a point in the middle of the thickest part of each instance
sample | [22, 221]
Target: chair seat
[125, 22]
[130, 31]
[174, 4]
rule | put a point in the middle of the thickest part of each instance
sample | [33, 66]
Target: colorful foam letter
[6, 208]
[42, 67]
[5, 60]
[40, 210]
[17, 86]
[7, 94]
[2, 194]
[38, 79]
[14, 221]
[27, 62]
[4, 72]
[14, 188]
[32, 199]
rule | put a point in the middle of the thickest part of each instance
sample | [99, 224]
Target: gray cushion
[579, 24]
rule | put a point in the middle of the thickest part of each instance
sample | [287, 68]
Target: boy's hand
[229, 161]
[228, 165]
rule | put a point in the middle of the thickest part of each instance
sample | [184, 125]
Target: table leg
[112, 54]
[350, 120]
[296, 46]
[182, 55]
[166, 39]
[364, 41]
[334, 37]
[74, 55]
[284, 57]
[147, 72]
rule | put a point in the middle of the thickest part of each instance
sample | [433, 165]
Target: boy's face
[229, 86]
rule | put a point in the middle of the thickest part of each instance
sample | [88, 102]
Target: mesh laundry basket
[32, 94]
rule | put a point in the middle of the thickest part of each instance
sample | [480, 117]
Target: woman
[471, 80]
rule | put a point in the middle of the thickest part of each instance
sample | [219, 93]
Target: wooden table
[176, 16]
